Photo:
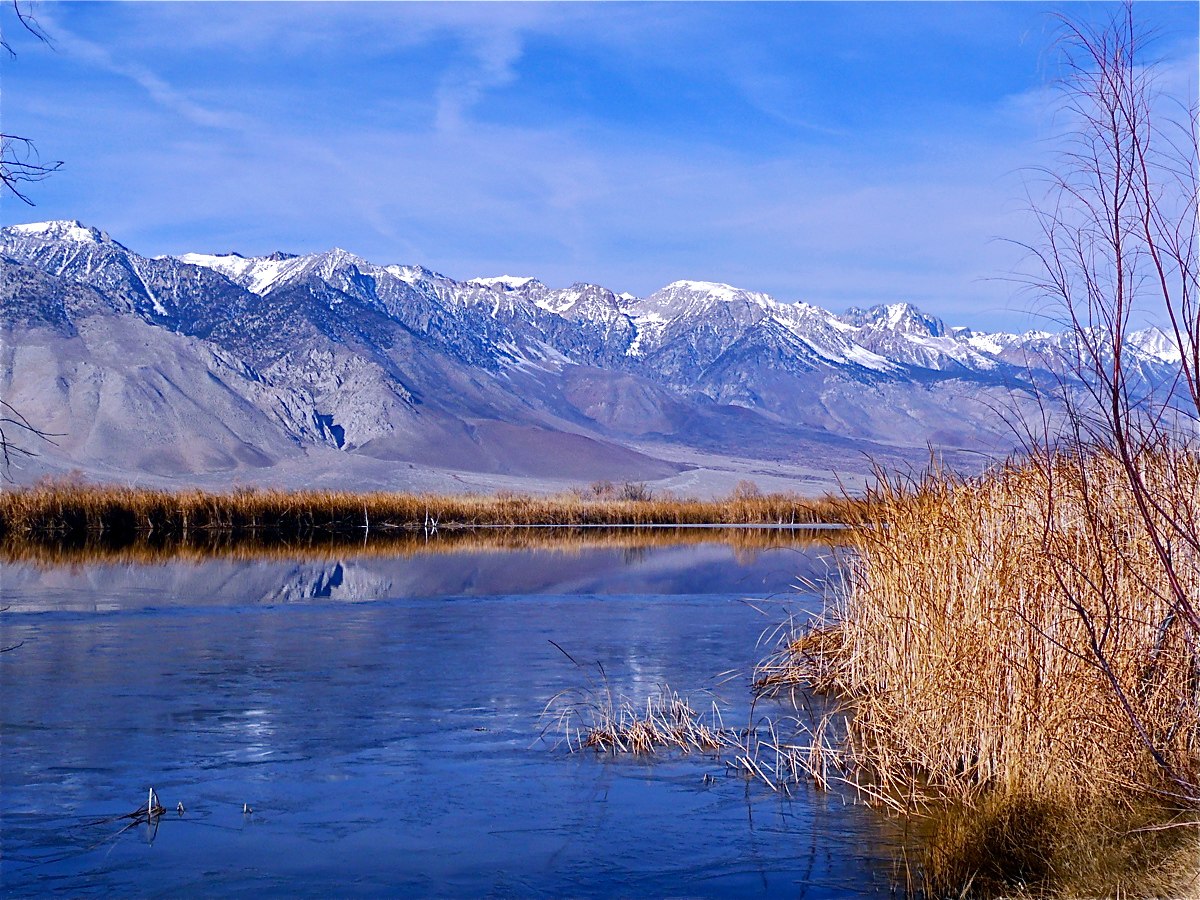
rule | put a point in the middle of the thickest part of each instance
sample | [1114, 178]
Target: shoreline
[78, 512]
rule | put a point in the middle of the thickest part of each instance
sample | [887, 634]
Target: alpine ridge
[327, 368]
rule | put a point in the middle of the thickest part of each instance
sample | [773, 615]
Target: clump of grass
[1014, 635]
[804, 654]
[1012, 661]
[780, 752]
[592, 717]
[664, 721]
[785, 751]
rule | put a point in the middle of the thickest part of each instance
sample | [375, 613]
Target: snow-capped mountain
[205, 362]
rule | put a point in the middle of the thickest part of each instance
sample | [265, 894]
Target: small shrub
[746, 490]
[603, 490]
[636, 491]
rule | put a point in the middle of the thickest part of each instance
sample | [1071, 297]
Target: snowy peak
[258, 274]
[712, 291]
[903, 318]
[515, 290]
[69, 230]
[262, 274]
[903, 333]
[416, 274]
[582, 300]
[221, 262]
[506, 282]
[329, 264]
[1156, 343]
[715, 289]
[689, 299]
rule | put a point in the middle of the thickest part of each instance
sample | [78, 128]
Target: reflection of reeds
[1029, 847]
[199, 546]
[69, 508]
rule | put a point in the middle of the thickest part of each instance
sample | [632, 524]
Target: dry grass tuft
[806, 655]
[780, 752]
[593, 718]
[785, 751]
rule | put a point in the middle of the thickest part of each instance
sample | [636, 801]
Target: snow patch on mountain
[718, 290]
[63, 230]
[1157, 343]
[985, 343]
[413, 274]
[258, 274]
[504, 282]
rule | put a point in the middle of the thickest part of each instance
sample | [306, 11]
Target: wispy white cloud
[156, 88]
[493, 57]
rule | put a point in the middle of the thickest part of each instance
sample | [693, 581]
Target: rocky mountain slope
[330, 367]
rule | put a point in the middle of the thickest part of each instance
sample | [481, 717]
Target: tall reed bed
[1015, 635]
[1015, 657]
[73, 508]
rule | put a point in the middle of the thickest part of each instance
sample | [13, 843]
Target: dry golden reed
[593, 719]
[1013, 634]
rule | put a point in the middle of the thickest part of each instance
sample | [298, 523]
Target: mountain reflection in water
[758, 562]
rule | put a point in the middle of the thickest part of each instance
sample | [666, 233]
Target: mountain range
[329, 369]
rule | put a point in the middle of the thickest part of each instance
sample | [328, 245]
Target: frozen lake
[380, 716]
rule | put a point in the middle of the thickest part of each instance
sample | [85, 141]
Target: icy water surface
[379, 716]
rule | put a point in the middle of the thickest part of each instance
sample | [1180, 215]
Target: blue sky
[839, 153]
